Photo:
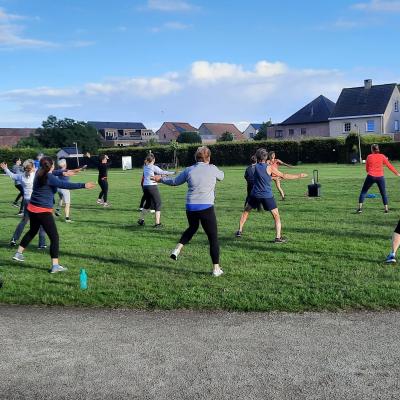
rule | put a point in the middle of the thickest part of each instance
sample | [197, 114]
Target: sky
[188, 60]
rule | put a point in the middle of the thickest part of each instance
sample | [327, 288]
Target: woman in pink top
[275, 163]
[374, 166]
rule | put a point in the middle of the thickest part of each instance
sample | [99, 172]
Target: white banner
[126, 163]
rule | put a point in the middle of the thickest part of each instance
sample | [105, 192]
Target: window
[291, 132]
[370, 126]
[347, 127]
[303, 131]
[278, 133]
[396, 125]
[396, 106]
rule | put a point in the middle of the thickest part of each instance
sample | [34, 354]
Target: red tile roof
[217, 129]
[11, 136]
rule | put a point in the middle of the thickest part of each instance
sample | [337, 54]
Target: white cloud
[379, 5]
[82, 43]
[172, 26]
[11, 33]
[170, 5]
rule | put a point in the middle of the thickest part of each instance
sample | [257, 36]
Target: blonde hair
[28, 166]
[202, 154]
[62, 162]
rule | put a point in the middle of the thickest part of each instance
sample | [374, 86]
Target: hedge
[8, 154]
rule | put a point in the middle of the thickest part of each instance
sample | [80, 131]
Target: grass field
[333, 260]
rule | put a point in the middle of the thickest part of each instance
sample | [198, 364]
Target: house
[310, 121]
[11, 136]
[69, 152]
[372, 109]
[171, 130]
[211, 132]
[123, 133]
[251, 131]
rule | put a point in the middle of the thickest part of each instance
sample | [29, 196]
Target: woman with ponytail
[40, 209]
[26, 178]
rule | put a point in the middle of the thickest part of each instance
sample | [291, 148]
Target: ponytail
[45, 166]
[149, 158]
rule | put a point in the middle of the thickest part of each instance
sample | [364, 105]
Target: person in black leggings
[102, 165]
[40, 209]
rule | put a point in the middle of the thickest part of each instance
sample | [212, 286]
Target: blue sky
[188, 60]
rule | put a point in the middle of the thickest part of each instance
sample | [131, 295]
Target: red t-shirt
[375, 162]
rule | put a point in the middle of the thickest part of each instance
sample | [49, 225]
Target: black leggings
[152, 198]
[208, 221]
[369, 181]
[20, 196]
[142, 200]
[104, 189]
[46, 220]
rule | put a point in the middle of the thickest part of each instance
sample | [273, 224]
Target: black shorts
[268, 204]
[152, 198]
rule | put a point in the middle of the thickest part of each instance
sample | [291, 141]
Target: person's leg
[391, 258]
[20, 228]
[100, 182]
[156, 201]
[142, 200]
[369, 181]
[278, 186]
[194, 222]
[50, 228]
[105, 190]
[382, 189]
[243, 217]
[67, 210]
[146, 206]
[42, 238]
[277, 220]
[208, 221]
[35, 223]
[20, 194]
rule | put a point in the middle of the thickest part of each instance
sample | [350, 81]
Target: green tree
[62, 133]
[189, 137]
[262, 132]
[225, 137]
[28, 142]
[174, 147]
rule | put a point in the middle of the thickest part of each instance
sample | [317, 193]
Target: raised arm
[390, 166]
[11, 174]
[178, 180]
[275, 172]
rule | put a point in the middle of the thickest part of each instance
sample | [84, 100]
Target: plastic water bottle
[83, 279]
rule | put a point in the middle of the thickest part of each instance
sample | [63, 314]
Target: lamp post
[77, 158]
[359, 142]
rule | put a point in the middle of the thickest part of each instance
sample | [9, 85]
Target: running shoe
[99, 201]
[174, 255]
[13, 243]
[358, 211]
[140, 209]
[141, 222]
[158, 226]
[20, 214]
[15, 204]
[238, 234]
[217, 272]
[67, 219]
[42, 247]
[106, 205]
[19, 257]
[386, 211]
[57, 212]
[390, 259]
[57, 268]
[280, 240]
[152, 211]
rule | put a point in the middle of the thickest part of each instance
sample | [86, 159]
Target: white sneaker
[152, 211]
[106, 205]
[174, 255]
[99, 201]
[57, 268]
[217, 272]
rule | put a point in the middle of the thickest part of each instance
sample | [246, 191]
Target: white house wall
[390, 115]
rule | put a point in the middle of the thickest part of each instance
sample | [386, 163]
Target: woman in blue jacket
[40, 209]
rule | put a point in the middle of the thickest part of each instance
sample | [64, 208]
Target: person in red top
[374, 166]
[275, 163]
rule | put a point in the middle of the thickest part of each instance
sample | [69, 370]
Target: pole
[77, 158]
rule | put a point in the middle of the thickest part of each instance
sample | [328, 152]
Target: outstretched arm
[390, 166]
[159, 171]
[9, 173]
[279, 174]
[283, 163]
[56, 182]
[178, 180]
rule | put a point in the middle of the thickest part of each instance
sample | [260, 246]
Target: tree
[63, 132]
[174, 147]
[189, 137]
[28, 142]
[225, 137]
[262, 132]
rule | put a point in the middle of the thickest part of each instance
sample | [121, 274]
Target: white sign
[126, 163]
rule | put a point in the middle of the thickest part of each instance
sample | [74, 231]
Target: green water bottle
[83, 279]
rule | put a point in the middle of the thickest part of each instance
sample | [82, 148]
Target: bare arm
[273, 171]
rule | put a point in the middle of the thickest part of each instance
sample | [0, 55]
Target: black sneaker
[238, 234]
[358, 211]
[158, 226]
[57, 213]
[13, 243]
[44, 247]
[141, 222]
[386, 211]
[280, 240]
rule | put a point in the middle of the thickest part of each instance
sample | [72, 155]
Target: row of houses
[372, 109]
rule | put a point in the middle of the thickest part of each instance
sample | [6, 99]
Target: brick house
[171, 130]
[11, 136]
[310, 121]
[369, 109]
[211, 132]
[120, 134]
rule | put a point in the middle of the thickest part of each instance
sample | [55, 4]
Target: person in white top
[150, 190]
[26, 180]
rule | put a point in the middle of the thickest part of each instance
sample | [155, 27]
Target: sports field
[333, 258]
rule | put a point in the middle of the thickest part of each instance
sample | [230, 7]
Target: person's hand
[398, 174]
[303, 175]
[87, 154]
[90, 185]
[3, 165]
[156, 178]
[107, 158]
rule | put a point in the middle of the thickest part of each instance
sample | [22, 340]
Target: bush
[226, 137]
[189, 137]
[319, 150]
[7, 154]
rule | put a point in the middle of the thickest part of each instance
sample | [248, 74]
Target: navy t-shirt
[262, 182]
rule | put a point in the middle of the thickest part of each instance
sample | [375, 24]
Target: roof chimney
[367, 83]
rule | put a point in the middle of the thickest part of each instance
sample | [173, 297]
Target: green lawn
[333, 260]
